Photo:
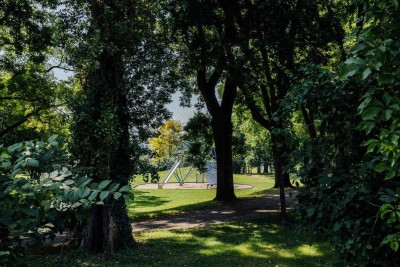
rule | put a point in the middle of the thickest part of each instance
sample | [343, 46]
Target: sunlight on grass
[309, 250]
[260, 242]
[151, 203]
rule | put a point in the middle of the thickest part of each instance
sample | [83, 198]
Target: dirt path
[244, 208]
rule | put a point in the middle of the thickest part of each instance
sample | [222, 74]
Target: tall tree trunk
[104, 129]
[282, 199]
[280, 162]
[222, 131]
[222, 127]
[108, 228]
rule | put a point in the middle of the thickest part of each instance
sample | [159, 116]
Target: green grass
[255, 242]
[156, 202]
[260, 242]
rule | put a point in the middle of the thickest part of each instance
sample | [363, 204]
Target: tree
[201, 42]
[199, 136]
[374, 59]
[257, 140]
[351, 196]
[121, 62]
[271, 48]
[40, 197]
[167, 141]
[30, 97]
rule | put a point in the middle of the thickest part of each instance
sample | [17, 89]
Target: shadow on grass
[274, 191]
[259, 242]
[166, 212]
[144, 199]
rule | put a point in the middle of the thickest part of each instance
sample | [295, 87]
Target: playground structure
[182, 171]
[182, 176]
[177, 170]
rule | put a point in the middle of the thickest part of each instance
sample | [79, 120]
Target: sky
[178, 113]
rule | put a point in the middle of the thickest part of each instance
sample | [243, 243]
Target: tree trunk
[222, 127]
[107, 229]
[258, 168]
[279, 163]
[283, 200]
[222, 131]
[265, 170]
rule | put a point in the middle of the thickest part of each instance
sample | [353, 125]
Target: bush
[342, 192]
[35, 204]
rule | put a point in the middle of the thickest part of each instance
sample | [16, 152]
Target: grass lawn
[158, 202]
[255, 242]
[260, 242]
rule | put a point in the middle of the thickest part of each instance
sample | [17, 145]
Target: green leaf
[93, 195]
[354, 60]
[20, 181]
[83, 181]
[14, 173]
[114, 187]
[310, 211]
[125, 188]
[52, 138]
[337, 226]
[69, 182]
[388, 114]
[348, 71]
[31, 212]
[6, 165]
[370, 113]
[127, 198]
[391, 174]
[4, 253]
[381, 167]
[387, 99]
[386, 79]
[85, 201]
[85, 193]
[104, 195]
[366, 73]
[377, 65]
[14, 147]
[104, 184]
[394, 245]
[395, 140]
[117, 195]
[364, 104]
[32, 162]
[358, 47]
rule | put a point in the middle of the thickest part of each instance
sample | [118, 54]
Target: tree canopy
[310, 87]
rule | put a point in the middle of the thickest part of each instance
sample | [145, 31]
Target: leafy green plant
[33, 207]
[342, 192]
[375, 58]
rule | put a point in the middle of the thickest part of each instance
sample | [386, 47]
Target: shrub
[35, 204]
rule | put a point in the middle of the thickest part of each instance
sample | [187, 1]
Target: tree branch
[58, 67]
[256, 113]
[229, 96]
[308, 118]
[19, 123]
[266, 100]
